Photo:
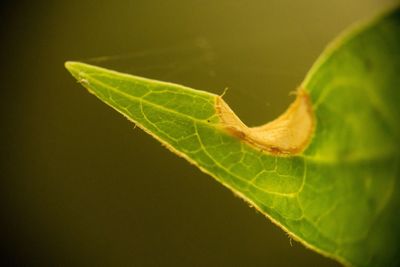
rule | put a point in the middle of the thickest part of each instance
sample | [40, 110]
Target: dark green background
[81, 187]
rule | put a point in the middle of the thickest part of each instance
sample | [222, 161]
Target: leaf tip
[73, 68]
[78, 70]
[69, 65]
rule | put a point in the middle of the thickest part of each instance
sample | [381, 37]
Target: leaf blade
[307, 193]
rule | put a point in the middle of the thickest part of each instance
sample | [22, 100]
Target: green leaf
[327, 171]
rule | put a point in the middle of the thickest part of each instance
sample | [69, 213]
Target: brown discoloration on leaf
[288, 134]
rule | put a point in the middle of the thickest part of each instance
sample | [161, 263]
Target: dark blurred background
[81, 187]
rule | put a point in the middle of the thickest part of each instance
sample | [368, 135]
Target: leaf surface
[327, 171]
